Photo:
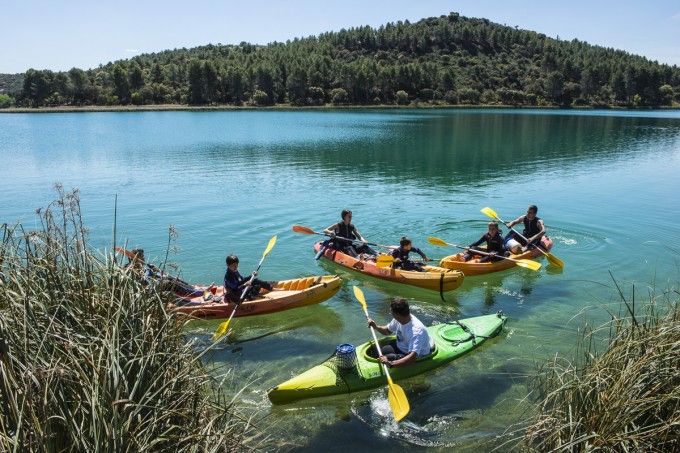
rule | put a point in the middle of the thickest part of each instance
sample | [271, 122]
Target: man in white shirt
[412, 341]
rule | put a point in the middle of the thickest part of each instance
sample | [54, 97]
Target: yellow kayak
[474, 267]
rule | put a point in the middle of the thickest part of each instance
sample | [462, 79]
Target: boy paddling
[346, 229]
[534, 230]
[413, 340]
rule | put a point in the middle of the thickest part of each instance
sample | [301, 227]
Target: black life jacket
[494, 243]
[531, 227]
[346, 231]
[401, 254]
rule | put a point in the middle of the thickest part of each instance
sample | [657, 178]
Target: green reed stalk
[90, 360]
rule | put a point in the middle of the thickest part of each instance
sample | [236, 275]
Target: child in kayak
[494, 245]
[534, 230]
[401, 258]
[346, 229]
[235, 283]
[413, 340]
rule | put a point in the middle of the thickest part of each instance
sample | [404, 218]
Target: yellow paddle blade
[303, 229]
[436, 241]
[555, 260]
[529, 264]
[490, 213]
[270, 246]
[384, 260]
[398, 401]
[221, 330]
[359, 294]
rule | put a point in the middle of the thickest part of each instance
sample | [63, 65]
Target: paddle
[395, 394]
[307, 230]
[529, 264]
[222, 328]
[384, 260]
[388, 260]
[551, 258]
[131, 256]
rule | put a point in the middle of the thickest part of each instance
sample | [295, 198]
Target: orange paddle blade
[303, 229]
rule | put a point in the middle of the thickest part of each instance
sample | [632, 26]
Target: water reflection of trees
[463, 147]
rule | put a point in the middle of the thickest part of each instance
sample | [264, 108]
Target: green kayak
[338, 375]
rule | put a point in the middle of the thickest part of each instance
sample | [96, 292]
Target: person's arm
[540, 233]
[478, 242]
[407, 359]
[359, 236]
[519, 219]
[382, 329]
[232, 281]
[331, 230]
[421, 253]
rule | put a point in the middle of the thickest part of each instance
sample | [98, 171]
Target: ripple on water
[434, 431]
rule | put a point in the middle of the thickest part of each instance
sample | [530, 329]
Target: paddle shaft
[377, 348]
[352, 240]
[483, 253]
[250, 281]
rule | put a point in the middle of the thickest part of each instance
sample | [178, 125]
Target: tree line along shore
[441, 61]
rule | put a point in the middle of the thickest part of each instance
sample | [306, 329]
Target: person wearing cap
[346, 229]
[235, 283]
[412, 342]
[401, 256]
[494, 245]
[534, 230]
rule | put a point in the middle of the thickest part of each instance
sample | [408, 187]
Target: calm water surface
[605, 182]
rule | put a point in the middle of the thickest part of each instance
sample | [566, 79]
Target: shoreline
[227, 107]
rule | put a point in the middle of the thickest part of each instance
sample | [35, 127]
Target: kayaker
[235, 283]
[412, 340]
[346, 229]
[147, 273]
[401, 256]
[534, 230]
[137, 264]
[494, 245]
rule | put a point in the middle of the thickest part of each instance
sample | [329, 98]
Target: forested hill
[443, 60]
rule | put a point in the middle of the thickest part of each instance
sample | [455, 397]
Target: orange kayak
[432, 277]
[474, 267]
[287, 294]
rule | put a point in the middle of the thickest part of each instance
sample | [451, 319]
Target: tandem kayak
[338, 376]
[285, 295]
[474, 267]
[432, 277]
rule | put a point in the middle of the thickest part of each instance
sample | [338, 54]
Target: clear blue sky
[61, 34]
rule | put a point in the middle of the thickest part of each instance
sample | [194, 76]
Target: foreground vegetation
[626, 398]
[440, 60]
[90, 360]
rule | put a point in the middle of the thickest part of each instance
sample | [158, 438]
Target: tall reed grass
[626, 398]
[89, 358]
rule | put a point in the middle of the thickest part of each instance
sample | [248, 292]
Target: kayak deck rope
[473, 336]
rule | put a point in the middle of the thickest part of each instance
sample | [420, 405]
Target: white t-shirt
[412, 336]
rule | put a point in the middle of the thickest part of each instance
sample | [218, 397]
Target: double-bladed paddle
[395, 394]
[529, 264]
[307, 230]
[551, 258]
[222, 328]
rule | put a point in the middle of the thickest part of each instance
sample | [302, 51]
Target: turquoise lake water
[606, 183]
